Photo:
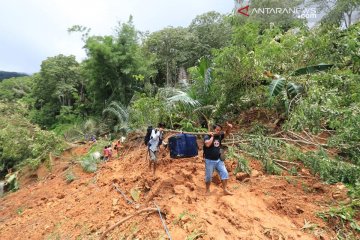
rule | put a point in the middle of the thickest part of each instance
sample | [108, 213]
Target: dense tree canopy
[113, 64]
[58, 85]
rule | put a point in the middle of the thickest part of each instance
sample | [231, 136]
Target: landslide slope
[262, 207]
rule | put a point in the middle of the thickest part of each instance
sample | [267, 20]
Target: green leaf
[135, 194]
[312, 69]
[294, 89]
[355, 226]
[204, 64]
[276, 86]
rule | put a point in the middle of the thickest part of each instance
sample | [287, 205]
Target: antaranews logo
[243, 7]
[244, 10]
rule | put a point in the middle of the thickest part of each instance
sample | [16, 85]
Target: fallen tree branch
[234, 142]
[311, 137]
[300, 141]
[281, 166]
[299, 136]
[278, 133]
[163, 222]
[277, 162]
[282, 161]
[123, 194]
[125, 219]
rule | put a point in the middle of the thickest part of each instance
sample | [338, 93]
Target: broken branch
[125, 219]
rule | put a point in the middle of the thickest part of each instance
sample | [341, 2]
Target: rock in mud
[255, 173]
[338, 195]
[299, 210]
[115, 201]
[318, 188]
[240, 176]
[61, 196]
[189, 186]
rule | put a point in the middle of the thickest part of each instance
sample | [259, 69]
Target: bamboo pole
[193, 133]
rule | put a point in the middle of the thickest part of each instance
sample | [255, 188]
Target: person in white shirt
[153, 145]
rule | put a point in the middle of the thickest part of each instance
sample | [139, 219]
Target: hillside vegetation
[292, 93]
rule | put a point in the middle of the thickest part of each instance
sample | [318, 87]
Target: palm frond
[184, 98]
[205, 108]
[173, 96]
[89, 125]
[120, 112]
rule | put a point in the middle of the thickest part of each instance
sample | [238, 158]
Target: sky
[33, 30]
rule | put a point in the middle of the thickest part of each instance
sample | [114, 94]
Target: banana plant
[292, 91]
[312, 69]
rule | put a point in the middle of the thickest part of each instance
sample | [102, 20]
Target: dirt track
[262, 207]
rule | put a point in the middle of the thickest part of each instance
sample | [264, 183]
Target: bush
[22, 143]
[146, 111]
[89, 164]
[330, 170]
[69, 176]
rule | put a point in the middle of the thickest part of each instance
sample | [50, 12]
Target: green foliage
[11, 181]
[212, 31]
[113, 64]
[348, 138]
[330, 170]
[121, 114]
[258, 128]
[346, 225]
[202, 87]
[22, 143]
[146, 111]
[173, 48]
[337, 12]
[242, 163]
[312, 69]
[265, 149]
[293, 90]
[354, 190]
[276, 87]
[89, 164]
[174, 96]
[69, 176]
[333, 102]
[58, 85]
[15, 88]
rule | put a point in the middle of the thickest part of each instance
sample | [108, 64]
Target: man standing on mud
[212, 157]
[154, 142]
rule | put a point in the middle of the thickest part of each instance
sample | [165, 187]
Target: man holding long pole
[212, 158]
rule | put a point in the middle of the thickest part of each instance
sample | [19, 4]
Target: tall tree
[112, 64]
[174, 48]
[56, 86]
[212, 31]
[338, 12]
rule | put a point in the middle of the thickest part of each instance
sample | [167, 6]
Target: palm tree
[122, 116]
